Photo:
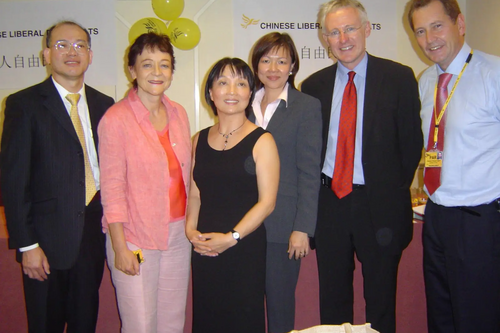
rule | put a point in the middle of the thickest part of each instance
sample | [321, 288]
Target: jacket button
[80, 214]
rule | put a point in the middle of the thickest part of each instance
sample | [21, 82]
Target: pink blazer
[134, 169]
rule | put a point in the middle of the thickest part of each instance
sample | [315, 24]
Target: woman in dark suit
[294, 120]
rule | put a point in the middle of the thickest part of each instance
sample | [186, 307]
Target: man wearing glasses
[372, 145]
[50, 186]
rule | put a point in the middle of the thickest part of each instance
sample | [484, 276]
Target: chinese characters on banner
[253, 19]
[22, 31]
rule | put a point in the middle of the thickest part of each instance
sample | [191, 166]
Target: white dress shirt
[470, 174]
[341, 79]
[263, 120]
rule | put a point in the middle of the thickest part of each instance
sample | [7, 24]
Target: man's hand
[35, 264]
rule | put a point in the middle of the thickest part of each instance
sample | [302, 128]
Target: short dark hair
[48, 33]
[238, 67]
[151, 41]
[275, 41]
[451, 8]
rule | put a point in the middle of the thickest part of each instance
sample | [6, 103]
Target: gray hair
[334, 5]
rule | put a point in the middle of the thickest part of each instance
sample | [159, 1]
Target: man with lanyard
[460, 113]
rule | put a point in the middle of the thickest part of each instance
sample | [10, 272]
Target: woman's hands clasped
[210, 244]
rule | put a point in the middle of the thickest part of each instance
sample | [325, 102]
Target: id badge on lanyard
[434, 157]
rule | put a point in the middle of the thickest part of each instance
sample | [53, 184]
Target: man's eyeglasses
[63, 46]
[348, 31]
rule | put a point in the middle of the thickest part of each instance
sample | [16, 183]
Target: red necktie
[432, 177]
[344, 158]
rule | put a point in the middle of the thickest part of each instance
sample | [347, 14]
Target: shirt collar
[140, 110]
[284, 94]
[458, 63]
[259, 95]
[63, 92]
[360, 69]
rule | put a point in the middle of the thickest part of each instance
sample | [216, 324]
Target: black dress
[228, 290]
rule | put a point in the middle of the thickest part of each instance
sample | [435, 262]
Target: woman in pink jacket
[144, 151]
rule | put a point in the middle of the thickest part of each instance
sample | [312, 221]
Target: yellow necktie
[90, 188]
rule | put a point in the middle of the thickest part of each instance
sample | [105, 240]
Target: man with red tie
[461, 123]
[372, 145]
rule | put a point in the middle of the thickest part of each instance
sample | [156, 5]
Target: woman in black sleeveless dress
[234, 187]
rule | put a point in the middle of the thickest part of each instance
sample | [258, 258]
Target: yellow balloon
[145, 25]
[184, 33]
[168, 9]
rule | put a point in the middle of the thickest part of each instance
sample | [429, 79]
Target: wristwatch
[236, 235]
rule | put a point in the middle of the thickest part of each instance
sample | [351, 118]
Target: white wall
[216, 42]
[483, 25]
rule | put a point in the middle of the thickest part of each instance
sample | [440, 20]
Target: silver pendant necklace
[226, 136]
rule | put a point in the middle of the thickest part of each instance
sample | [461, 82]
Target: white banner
[22, 30]
[253, 19]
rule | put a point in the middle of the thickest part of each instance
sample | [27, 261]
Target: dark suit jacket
[392, 142]
[297, 132]
[43, 172]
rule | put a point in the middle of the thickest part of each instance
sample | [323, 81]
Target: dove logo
[248, 21]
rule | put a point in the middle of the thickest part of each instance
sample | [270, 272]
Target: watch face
[236, 235]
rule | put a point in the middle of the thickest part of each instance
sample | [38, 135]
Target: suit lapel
[55, 106]
[325, 95]
[374, 81]
[282, 113]
[93, 113]
[278, 117]
[328, 82]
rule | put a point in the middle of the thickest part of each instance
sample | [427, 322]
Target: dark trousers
[344, 228]
[462, 268]
[282, 275]
[70, 296]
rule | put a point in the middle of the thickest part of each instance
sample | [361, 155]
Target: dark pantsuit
[296, 129]
[282, 275]
[70, 295]
[462, 268]
[344, 228]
